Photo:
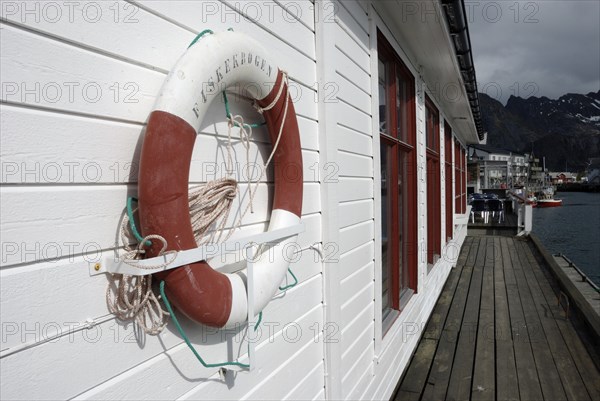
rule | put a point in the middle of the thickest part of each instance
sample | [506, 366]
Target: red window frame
[398, 141]
[448, 180]
[432, 133]
[460, 176]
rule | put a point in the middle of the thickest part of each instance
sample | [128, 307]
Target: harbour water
[573, 230]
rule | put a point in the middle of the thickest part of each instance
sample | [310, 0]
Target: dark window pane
[402, 102]
[386, 263]
[402, 219]
[383, 126]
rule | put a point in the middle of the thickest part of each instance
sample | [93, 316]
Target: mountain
[565, 130]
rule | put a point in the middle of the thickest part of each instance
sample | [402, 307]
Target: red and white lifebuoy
[206, 69]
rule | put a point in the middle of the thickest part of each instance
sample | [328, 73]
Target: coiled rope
[132, 297]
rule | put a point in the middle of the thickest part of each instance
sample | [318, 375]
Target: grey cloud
[542, 48]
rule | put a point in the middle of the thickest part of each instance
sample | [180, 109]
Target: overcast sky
[541, 48]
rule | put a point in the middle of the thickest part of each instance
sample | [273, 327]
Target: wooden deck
[494, 227]
[497, 333]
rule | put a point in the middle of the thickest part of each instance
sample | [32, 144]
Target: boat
[546, 198]
[549, 202]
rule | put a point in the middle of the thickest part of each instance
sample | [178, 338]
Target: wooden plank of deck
[585, 366]
[529, 388]
[572, 382]
[415, 378]
[548, 376]
[507, 385]
[532, 353]
[586, 289]
[437, 320]
[484, 376]
[459, 386]
[439, 374]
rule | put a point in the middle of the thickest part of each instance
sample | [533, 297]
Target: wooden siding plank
[35, 63]
[79, 144]
[123, 347]
[356, 327]
[349, 25]
[356, 74]
[356, 258]
[361, 387]
[354, 141]
[439, 376]
[350, 47]
[349, 118]
[355, 346]
[348, 92]
[320, 396]
[302, 10]
[107, 28]
[353, 165]
[304, 351]
[197, 16]
[354, 189]
[506, 372]
[355, 236]
[358, 14]
[310, 385]
[75, 296]
[42, 66]
[358, 302]
[295, 366]
[355, 212]
[276, 20]
[364, 363]
[90, 218]
[357, 281]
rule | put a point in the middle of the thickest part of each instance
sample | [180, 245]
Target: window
[448, 172]
[432, 134]
[460, 179]
[397, 122]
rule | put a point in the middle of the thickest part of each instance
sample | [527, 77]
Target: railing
[524, 208]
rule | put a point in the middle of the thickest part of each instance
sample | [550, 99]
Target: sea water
[573, 229]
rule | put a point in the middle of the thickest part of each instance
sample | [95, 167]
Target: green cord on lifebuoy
[132, 225]
[200, 35]
[287, 287]
[187, 340]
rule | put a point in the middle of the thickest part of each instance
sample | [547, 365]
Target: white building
[498, 168]
[79, 80]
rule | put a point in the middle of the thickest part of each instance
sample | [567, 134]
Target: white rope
[133, 297]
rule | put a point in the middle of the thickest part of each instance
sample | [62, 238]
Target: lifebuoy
[206, 69]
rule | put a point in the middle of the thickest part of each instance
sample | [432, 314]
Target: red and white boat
[549, 202]
[546, 198]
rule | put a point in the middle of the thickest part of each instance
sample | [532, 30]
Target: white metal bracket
[142, 267]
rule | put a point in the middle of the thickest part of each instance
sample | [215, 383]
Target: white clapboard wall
[370, 363]
[78, 83]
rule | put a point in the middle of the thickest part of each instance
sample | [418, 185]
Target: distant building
[562, 178]
[496, 168]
